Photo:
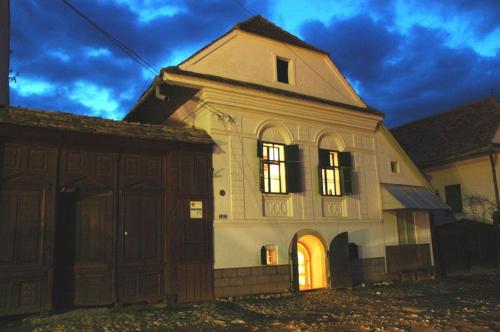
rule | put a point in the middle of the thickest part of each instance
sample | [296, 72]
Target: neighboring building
[458, 152]
[93, 212]
[302, 167]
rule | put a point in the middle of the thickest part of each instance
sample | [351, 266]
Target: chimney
[4, 51]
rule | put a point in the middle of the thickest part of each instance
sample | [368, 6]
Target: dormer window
[282, 70]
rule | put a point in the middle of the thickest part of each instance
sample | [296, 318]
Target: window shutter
[324, 157]
[346, 174]
[293, 170]
[345, 159]
[263, 256]
[260, 149]
[347, 179]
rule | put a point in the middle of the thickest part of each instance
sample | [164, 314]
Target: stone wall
[251, 280]
[368, 270]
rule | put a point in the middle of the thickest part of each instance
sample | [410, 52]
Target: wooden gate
[340, 262]
[27, 180]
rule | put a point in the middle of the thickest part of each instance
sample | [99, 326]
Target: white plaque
[196, 209]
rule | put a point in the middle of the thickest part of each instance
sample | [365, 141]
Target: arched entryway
[309, 261]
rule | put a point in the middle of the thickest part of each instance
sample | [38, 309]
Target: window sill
[266, 195]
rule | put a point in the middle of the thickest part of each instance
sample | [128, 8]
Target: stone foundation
[251, 280]
[368, 270]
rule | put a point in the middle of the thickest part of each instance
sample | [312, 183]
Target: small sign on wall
[196, 209]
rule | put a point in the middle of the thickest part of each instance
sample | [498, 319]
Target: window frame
[281, 167]
[407, 240]
[460, 207]
[336, 170]
[288, 69]
[396, 169]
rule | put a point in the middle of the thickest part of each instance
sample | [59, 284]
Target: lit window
[406, 227]
[269, 255]
[282, 70]
[273, 167]
[395, 167]
[330, 174]
[280, 168]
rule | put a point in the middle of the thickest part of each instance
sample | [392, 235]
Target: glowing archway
[309, 259]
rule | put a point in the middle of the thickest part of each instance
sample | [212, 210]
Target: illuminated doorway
[311, 266]
[304, 266]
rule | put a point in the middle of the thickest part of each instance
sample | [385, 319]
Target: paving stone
[457, 304]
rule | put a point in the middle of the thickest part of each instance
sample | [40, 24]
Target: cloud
[28, 86]
[407, 58]
[83, 72]
[100, 101]
[406, 73]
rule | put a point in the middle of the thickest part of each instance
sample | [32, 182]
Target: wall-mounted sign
[196, 209]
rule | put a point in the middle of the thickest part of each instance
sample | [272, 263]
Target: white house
[310, 189]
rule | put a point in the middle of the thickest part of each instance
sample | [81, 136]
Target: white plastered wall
[249, 58]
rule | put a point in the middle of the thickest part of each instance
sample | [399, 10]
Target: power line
[298, 56]
[131, 53]
[139, 59]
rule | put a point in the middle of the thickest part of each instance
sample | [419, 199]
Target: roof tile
[85, 124]
[448, 135]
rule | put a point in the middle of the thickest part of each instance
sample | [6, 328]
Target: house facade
[458, 152]
[310, 189]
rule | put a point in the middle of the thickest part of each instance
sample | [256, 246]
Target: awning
[396, 197]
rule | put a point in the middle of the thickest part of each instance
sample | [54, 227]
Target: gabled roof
[178, 71]
[93, 125]
[258, 25]
[262, 27]
[464, 131]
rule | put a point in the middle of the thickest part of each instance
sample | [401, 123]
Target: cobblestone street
[460, 303]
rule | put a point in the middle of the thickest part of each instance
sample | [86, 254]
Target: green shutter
[293, 169]
[345, 159]
[346, 173]
[347, 180]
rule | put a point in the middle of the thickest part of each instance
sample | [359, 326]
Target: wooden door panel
[195, 282]
[94, 227]
[340, 262]
[141, 236]
[21, 213]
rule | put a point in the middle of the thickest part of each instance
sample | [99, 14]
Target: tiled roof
[262, 27]
[176, 70]
[258, 25]
[452, 134]
[93, 125]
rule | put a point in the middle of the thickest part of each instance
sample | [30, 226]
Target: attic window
[395, 167]
[282, 70]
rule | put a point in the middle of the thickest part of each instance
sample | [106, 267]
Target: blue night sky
[406, 58]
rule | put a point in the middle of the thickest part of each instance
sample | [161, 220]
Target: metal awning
[396, 197]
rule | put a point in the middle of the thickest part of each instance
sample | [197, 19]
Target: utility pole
[4, 51]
